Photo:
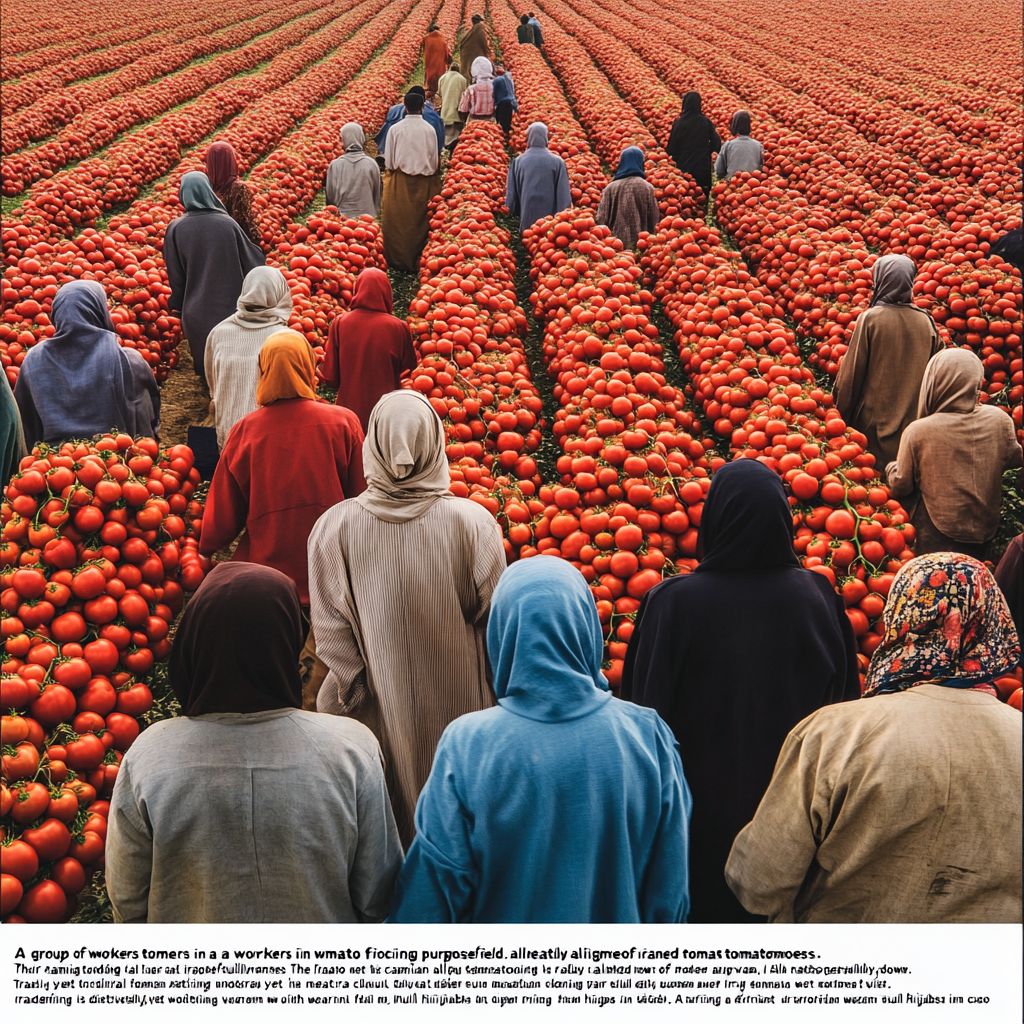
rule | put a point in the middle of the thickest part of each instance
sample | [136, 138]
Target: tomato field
[588, 393]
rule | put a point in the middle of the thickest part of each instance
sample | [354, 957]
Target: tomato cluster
[98, 545]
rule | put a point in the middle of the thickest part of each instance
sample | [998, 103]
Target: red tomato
[29, 583]
[22, 763]
[50, 839]
[54, 704]
[88, 583]
[69, 874]
[68, 627]
[19, 859]
[85, 753]
[87, 847]
[124, 728]
[10, 893]
[102, 656]
[30, 802]
[44, 903]
[98, 696]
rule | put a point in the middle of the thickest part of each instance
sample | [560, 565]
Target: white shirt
[411, 146]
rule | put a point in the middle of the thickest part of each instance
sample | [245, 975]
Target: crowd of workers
[382, 720]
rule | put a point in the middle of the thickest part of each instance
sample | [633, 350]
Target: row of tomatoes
[99, 544]
[286, 182]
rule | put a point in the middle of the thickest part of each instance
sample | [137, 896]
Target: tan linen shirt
[450, 88]
[411, 147]
[879, 379]
[904, 807]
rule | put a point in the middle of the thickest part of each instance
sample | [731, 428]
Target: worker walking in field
[412, 179]
[400, 587]
[505, 103]
[538, 36]
[474, 44]
[628, 204]
[524, 31]
[741, 152]
[353, 179]
[692, 142]
[878, 385]
[478, 100]
[449, 90]
[538, 181]
[398, 112]
[435, 58]
[561, 804]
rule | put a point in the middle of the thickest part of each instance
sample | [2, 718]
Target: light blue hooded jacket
[561, 804]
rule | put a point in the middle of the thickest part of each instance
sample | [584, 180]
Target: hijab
[353, 141]
[537, 136]
[221, 167]
[691, 105]
[287, 369]
[631, 164]
[893, 280]
[544, 642]
[746, 525]
[265, 299]
[740, 123]
[404, 459]
[373, 291]
[237, 647]
[951, 383]
[482, 70]
[946, 622]
[197, 196]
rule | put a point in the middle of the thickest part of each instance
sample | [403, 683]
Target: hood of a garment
[80, 309]
[893, 280]
[691, 103]
[373, 291]
[287, 369]
[746, 525]
[481, 69]
[237, 647]
[951, 383]
[631, 164]
[197, 196]
[353, 138]
[221, 166]
[740, 123]
[265, 299]
[537, 136]
[544, 642]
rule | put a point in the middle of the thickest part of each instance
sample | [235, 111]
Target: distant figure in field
[435, 58]
[628, 204]
[538, 36]
[741, 152]
[478, 100]
[207, 256]
[879, 381]
[524, 31]
[538, 181]
[353, 179]
[412, 161]
[505, 103]
[222, 170]
[398, 112]
[450, 89]
[474, 44]
[692, 141]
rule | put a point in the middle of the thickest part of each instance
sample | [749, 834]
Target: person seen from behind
[538, 35]
[741, 152]
[412, 179]
[538, 180]
[207, 256]
[80, 381]
[353, 179]
[474, 44]
[692, 142]
[949, 471]
[729, 705]
[246, 851]
[222, 170]
[478, 100]
[524, 31]
[449, 90]
[400, 584]
[905, 806]
[368, 348]
[561, 804]
[505, 103]
[878, 385]
[628, 204]
[233, 347]
[397, 113]
[435, 58]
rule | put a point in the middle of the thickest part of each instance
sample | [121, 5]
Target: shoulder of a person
[154, 740]
[335, 728]
[466, 511]
[332, 413]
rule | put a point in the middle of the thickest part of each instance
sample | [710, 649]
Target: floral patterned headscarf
[946, 622]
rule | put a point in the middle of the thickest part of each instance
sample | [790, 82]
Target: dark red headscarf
[221, 166]
[373, 291]
[237, 648]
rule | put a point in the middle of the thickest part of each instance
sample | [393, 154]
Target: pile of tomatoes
[98, 546]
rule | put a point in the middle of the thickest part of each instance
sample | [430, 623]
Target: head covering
[287, 369]
[221, 166]
[537, 136]
[544, 642]
[946, 622]
[691, 103]
[893, 280]
[482, 70]
[265, 299]
[746, 525]
[237, 647]
[373, 291]
[353, 138]
[12, 435]
[197, 196]
[454, 66]
[404, 460]
[740, 123]
[631, 164]
[951, 383]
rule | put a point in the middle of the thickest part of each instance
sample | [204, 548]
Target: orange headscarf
[287, 369]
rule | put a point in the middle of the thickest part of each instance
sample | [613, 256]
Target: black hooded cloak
[692, 141]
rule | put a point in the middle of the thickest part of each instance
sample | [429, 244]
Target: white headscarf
[482, 70]
[537, 135]
[265, 300]
[404, 460]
